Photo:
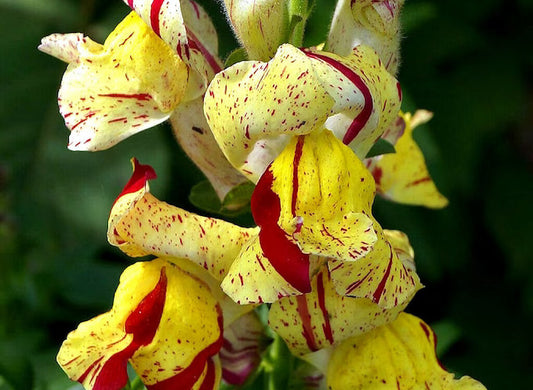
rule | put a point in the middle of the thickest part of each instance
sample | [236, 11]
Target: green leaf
[235, 56]
[447, 333]
[236, 202]
[381, 147]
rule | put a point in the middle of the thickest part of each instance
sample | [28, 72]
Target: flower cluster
[299, 123]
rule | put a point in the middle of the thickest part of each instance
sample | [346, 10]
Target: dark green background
[468, 61]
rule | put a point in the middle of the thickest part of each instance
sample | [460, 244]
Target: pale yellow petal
[253, 108]
[372, 23]
[111, 92]
[140, 224]
[196, 139]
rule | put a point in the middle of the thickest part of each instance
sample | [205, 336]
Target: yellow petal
[261, 26]
[400, 355]
[325, 194]
[188, 30]
[253, 107]
[111, 92]
[367, 22]
[252, 279]
[403, 176]
[323, 318]
[386, 275]
[149, 322]
[140, 224]
[315, 199]
[195, 137]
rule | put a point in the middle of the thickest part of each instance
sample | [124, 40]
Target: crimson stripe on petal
[187, 378]
[360, 120]
[155, 9]
[284, 255]
[141, 174]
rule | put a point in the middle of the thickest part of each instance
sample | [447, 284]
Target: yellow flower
[400, 355]
[145, 73]
[403, 176]
[313, 205]
[254, 108]
[152, 326]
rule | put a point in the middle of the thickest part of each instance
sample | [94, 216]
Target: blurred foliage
[469, 62]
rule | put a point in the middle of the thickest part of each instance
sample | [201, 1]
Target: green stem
[298, 14]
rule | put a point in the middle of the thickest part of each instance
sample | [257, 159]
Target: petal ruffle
[254, 108]
[400, 355]
[195, 137]
[111, 92]
[386, 275]
[140, 224]
[368, 22]
[403, 176]
[150, 320]
[323, 318]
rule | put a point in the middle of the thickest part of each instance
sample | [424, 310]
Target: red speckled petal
[188, 30]
[386, 275]
[323, 318]
[403, 176]
[140, 224]
[408, 347]
[324, 196]
[111, 92]
[253, 107]
[253, 279]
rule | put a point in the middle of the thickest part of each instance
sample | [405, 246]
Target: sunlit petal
[253, 108]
